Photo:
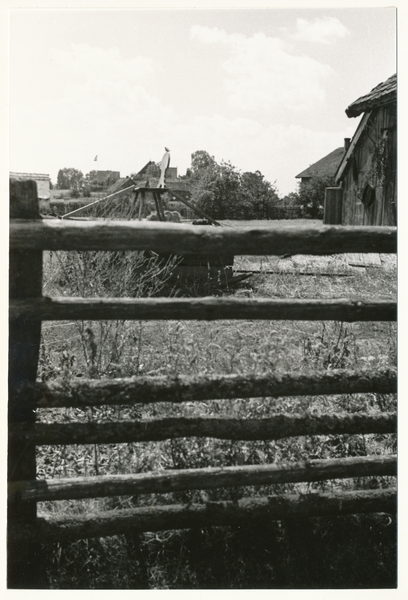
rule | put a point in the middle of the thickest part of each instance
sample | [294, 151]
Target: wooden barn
[367, 175]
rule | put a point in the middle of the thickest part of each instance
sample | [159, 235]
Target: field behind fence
[147, 405]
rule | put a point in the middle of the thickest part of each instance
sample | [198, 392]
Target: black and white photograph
[202, 298]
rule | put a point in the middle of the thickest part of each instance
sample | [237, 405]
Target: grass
[358, 551]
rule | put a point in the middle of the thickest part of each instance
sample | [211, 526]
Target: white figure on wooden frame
[165, 163]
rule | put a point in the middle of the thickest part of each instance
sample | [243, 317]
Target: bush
[311, 196]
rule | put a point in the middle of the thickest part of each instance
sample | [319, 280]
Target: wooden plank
[25, 278]
[162, 482]
[148, 430]
[190, 239]
[364, 260]
[160, 518]
[203, 309]
[183, 388]
[206, 260]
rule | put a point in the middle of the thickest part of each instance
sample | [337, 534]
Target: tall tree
[217, 190]
[258, 196]
[69, 179]
[224, 193]
[201, 161]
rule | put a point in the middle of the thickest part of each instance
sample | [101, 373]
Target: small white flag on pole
[96, 157]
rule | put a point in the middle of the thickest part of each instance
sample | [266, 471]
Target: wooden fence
[29, 236]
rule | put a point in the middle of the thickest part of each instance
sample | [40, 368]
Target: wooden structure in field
[213, 269]
[367, 175]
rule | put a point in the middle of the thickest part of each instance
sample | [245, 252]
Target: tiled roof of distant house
[382, 94]
[325, 167]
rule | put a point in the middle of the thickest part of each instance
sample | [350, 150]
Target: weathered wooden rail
[202, 309]
[29, 236]
[189, 239]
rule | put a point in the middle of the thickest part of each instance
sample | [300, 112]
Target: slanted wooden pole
[95, 202]
[24, 559]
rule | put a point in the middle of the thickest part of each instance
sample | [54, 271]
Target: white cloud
[209, 35]
[261, 73]
[320, 31]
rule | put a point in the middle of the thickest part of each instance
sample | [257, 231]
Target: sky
[263, 89]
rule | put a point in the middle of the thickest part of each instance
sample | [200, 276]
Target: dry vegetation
[343, 552]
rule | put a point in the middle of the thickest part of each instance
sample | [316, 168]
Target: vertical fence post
[333, 205]
[25, 281]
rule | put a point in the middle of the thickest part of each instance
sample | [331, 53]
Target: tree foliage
[258, 196]
[201, 161]
[225, 193]
[310, 196]
[69, 179]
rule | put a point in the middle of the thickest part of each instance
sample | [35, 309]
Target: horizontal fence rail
[191, 239]
[160, 518]
[160, 482]
[183, 388]
[147, 430]
[202, 309]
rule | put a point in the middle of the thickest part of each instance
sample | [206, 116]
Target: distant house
[172, 181]
[367, 174]
[326, 166]
[43, 182]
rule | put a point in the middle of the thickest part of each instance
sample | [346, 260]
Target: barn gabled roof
[360, 129]
[382, 94]
[325, 167]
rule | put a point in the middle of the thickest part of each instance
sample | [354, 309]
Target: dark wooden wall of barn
[374, 164]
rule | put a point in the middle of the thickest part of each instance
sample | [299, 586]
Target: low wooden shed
[367, 175]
